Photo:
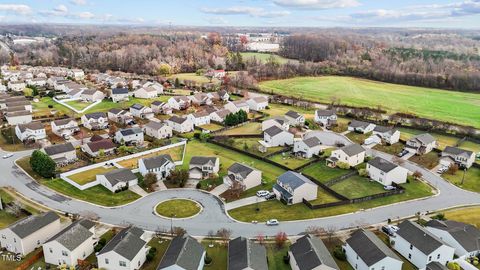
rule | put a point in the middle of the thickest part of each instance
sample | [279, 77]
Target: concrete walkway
[219, 190]
[243, 202]
[137, 189]
[161, 185]
[409, 155]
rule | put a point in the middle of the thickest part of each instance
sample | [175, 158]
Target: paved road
[213, 216]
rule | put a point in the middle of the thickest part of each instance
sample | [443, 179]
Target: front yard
[323, 197]
[174, 152]
[88, 176]
[276, 209]
[471, 181]
[470, 215]
[429, 160]
[322, 172]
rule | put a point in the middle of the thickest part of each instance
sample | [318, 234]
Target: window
[50, 249]
[383, 267]
[122, 263]
[64, 253]
[409, 256]
[411, 247]
[438, 256]
[14, 240]
[106, 261]
[429, 258]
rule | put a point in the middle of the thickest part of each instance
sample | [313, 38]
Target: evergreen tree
[42, 164]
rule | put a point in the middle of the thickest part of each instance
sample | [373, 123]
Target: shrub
[208, 260]
[339, 253]
[439, 216]
[362, 172]
[343, 165]
[151, 254]
[198, 186]
[453, 266]
[42, 164]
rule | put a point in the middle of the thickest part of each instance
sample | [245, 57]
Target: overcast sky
[314, 13]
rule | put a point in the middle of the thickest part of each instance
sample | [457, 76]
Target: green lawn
[393, 149]
[470, 215]
[219, 255]
[322, 172]
[279, 110]
[275, 257]
[323, 197]
[471, 181]
[442, 140]
[78, 104]
[7, 218]
[250, 128]
[41, 107]
[287, 159]
[457, 107]
[106, 105]
[12, 264]
[193, 77]
[161, 245]
[212, 127]
[357, 186]
[174, 152]
[263, 57]
[386, 240]
[276, 209]
[252, 145]
[358, 137]
[88, 176]
[178, 208]
[429, 160]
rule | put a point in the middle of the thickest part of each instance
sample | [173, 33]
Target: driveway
[214, 217]
[243, 202]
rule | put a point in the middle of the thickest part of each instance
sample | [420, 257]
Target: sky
[281, 13]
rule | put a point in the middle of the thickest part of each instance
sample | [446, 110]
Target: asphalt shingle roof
[293, 180]
[31, 224]
[352, 149]
[419, 237]
[273, 130]
[357, 124]
[198, 160]
[310, 252]
[119, 91]
[293, 114]
[157, 162]
[95, 115]
[369, 247]
[457, 151]
[177, 119]
[382, 164]
[242, 169]
[436, 266]
[183, 251]
[59, 148]
[312, 142]
[424, 138]
[119, 175]
[74, 235]
[126, 243]
[245, 254]
[465, 234]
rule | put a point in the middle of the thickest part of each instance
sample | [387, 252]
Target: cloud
[217, 21]
[316, 4]
[84, 15]
[16, 8]
[246, 10]
[79, 2]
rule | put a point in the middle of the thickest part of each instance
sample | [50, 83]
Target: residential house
[294, 118]
[117, 179]
[77, 74]
[389, 135]
[39, 82]
[74, 243]
[16, 86]
[146, 92]
[75, 94]
[27, 234]
[33, 131]
[119, 94]
[94, 148]
[203, 167]
[217, 74]
[155, 85]
[140, 111]
[161, 107]
[310, 253]
[18, 118]
[326, 118]
[247, 177]
[179, 102]
[464, 238]
[120, 116]
[183, 253]
[361, 127]
[275, 136]
[436, 266]
[223, 95]
[352, 154]
[308, 147]
[259, 103]
[92, 95]
[419, 246]
[62, 154]
[180, 124]
[237, 105]
[293, 188]
[386, 172]
[64, 127]
[200, 99]
[219, 116]
[127, 250]
[454, 155]
[161, 165]
[245, 254]
[421, 144]
[157, 130]
[365, 251]
[95, 121]
[129, 136]
[279, 121]
[199, 118]
[20, 104]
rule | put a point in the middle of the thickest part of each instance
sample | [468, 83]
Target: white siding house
[388, 134]
[326, 117]
[203, 167]
[279, 121]
[129, 136]
[157, 130]
[117, 179]
[62, 154]
[257, 103]
[294, 118]
[361, 127]
[385, 172]
[246, 176]
[199, 118]
[161, 165]
[146, 92]
[140, 111]
[95, 121]
[33, 131]
[454, 155]
[421, 144]
[64, 127]
[308, 147]
[275, 136]
[180, 124]
[461, 236]
[352, 154]
[293, 188]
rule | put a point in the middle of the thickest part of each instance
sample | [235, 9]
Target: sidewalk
[219, 190]
[243, 202]
[137, 189]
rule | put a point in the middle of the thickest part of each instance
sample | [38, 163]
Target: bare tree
[224, 234]
[15, 208]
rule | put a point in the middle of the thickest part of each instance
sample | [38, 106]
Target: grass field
[252, 145]
[289, 160]
[84, 177]
[323, 197]
[263, 57]
[77, 104]
[179, 208]
[471, 181]
[106, 105]
[356, 187]
[212, 127]
[250, 128]
[219, 255]
[276, 209]
[393, 149]
[322, 172]
[358, 137]
[275, 257]
[41, 107]
[457, 107]
[470, 215]
[174, 152]
[5, 217]
[279, 109]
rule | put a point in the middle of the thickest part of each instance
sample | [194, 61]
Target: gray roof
[465, 234]
[65, 121]
[157, 103]
[197, 160]
[31, 224]
[183, 251]
[294, 179]
[273, 130]
[357, 124]
[31, 125]
[383, 129]
[89, 92]
[242, 169]
[115, 110]
[95, 115]
[382, 164]
[245, 254]
[312, 141]
[59, 148]
[223, 113]
[457, 151]
[157, 162]
[424, 138]
[118, 91]
[119, 175]
[105, 144]
[155, 125]
[75, 234]
[126, 243]
[137, 106]
[310, 252]
[177, 119]
[130, 131]
[419, 237]
[293, 114]
[369, 247]
[436, 266]
[352, 149]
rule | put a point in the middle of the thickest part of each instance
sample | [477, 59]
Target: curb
[185, 218]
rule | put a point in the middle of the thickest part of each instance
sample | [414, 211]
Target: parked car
[272, 222]
[389, 188]
[442, 169]
[390, 229]
[403, 153]
[8, 155]
[271, 196]
[262, 193]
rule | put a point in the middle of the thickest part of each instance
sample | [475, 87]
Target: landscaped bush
[151, 254]
[339, 253]
[362, 172]
[439, 216]
[343, 165]
[453, 266]
[42, 164]
[233, 119]
[208, 260]
[101, 243]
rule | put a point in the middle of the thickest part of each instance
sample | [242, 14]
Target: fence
[314, 160]
[63, 102]
[30, 261]
[341, 178]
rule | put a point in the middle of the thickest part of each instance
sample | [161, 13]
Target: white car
[389, 188]
[262, 193]
[272, 222]
[8, 155]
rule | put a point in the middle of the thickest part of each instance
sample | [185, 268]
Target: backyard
[88, 176]
[174, 152]
[41, 108]
[442, 140]
[263, 57]
[323, 197]
[357, 187]
[393, 149]
[250, 128]
[358, 137]
[470, 182]
[321, 172]
[457, 107]
[193, 77]
[78, 104]
[470, 215]
[251, 145]
[161, 245]
[218, 253]
[289, 160]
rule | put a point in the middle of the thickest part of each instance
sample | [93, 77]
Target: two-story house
[293, 188]
[306, 148]
[65, 127]
[294, 118]
[161, 165]
[326, 118]
[117, 179]
[203, 167]
[140, 111]
[129, 136]
[199, 118]
[389, 135]
[259, 103]
[33, 131]
[352, 154]
[157, 130]
[95, 121]
[361, 127]
[246, 176]
[386, 172]
[119, 94]
[180, 124]
[62, 154]
[454, 155]
[275, 136]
